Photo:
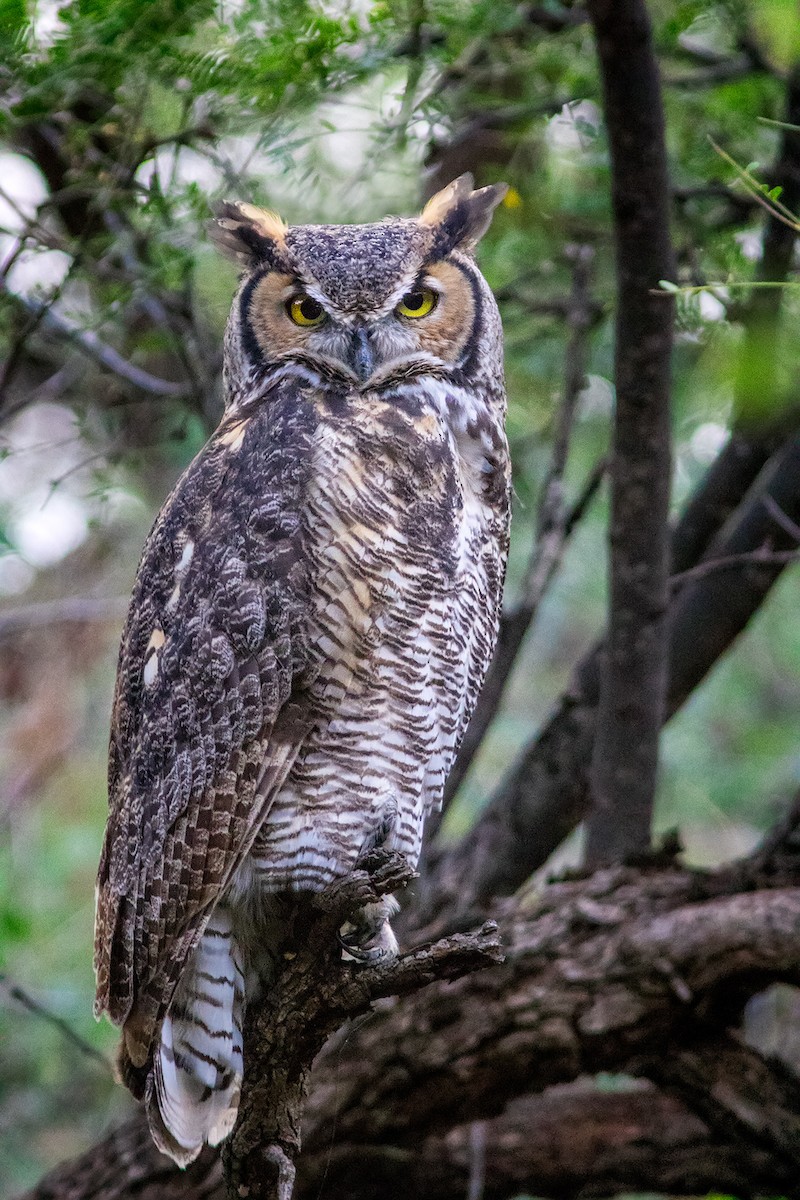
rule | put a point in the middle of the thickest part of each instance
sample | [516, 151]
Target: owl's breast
[407, 515]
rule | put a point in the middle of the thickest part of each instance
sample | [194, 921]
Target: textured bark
[604, 973]
[743, 1098]
[596, 974]
[313, 996]
[570, 1141]
[567, 1141]
[634, 666]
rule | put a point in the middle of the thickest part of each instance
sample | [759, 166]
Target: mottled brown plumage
[313, 616]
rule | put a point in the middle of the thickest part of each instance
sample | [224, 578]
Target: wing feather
[210, 706]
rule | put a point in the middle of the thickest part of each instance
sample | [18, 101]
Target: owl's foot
[368, 938]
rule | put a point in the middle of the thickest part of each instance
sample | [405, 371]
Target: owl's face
[371, 303]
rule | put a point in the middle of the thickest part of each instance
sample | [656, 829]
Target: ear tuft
[459, 216]
[247, 234]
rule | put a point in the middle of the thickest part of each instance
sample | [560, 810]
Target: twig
[723, 71]
[77, 609]
[24, 998]
[750, 558]
[36, 316]
[88, 342]
[783, 519]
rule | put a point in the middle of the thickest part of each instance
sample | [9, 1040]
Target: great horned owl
[314, 613]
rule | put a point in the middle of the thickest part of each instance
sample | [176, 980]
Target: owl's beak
[362, 356]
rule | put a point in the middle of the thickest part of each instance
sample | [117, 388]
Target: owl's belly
[372, 767]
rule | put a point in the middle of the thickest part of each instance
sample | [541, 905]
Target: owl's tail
[193, 1093]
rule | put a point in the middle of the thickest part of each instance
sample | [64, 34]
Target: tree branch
[600, 974]
[312, 997]
[547, 792]
[545, 795]
[742, 1097]
[570, 1141]
[20, 996]
[634, 669]
[106, 356]
[710, 612]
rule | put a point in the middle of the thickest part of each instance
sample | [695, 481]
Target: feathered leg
[193, 1094]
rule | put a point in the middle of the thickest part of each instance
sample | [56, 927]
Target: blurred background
[121, 124]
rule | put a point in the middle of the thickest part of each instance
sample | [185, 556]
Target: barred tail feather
[193, 1092]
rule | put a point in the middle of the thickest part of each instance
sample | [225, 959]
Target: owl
[313, 616]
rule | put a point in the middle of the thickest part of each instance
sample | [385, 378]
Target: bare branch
[752, 558]
[88, 342]
[69, 609]
[21, 996]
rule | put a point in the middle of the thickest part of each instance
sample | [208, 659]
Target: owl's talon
[369, 938]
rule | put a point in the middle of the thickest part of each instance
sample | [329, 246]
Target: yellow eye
[305, 310]
[417, 304]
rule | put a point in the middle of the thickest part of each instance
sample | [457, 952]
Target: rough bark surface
[315, 994]
[601, 973]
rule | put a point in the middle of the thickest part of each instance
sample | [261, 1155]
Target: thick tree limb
[741, 1097]
[634, 668]
[600, 974]
[569, 1141]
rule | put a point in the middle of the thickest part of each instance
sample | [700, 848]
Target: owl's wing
[209, 709]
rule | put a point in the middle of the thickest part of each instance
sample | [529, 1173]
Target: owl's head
[370, 304]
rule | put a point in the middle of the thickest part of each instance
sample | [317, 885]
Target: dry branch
[314, 995]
